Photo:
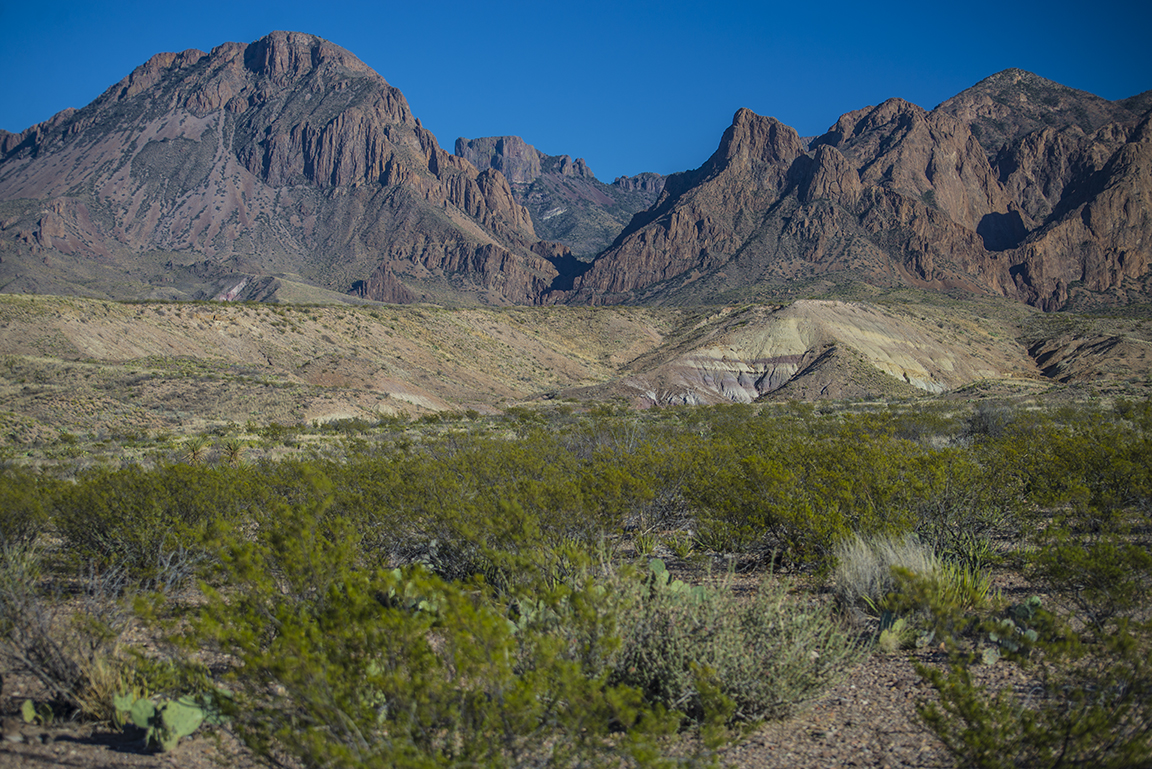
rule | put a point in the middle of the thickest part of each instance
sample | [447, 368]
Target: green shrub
[330, 672]
[966, 498]
[1087, 704]
[150, 522]
[799, 492]
[1106, 577]
[1088, 701]
[765, 656]
[22, 513]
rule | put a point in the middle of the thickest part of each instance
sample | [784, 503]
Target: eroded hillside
[88, 366]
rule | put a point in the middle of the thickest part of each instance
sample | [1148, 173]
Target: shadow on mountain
[569, 268]
[1001, 232]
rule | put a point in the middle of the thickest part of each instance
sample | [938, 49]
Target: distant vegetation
[546, 587]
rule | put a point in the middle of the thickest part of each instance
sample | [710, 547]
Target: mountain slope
[1010, 104]
[289, 169]
[116, 369]
[287, 157]
[896, 195]
[568, 204]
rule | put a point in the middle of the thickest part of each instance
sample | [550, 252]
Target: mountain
[287, 169]
[285, 161]
[896, 195]
[568, 204]
[1008, 105]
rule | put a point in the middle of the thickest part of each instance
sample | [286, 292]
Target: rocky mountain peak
[568, 204]
[288, 159]
[518, 160]
[1006, 106]
[755, 138]
[896, 194]
[285, 153]
[292, 55]
[646, 182]
[566, 166]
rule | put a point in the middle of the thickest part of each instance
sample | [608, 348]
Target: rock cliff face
[1009, 105]
[289, 165]
[896, 195]
[568, 204]
[285, 156]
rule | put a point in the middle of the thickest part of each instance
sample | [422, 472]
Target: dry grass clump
[863, 575]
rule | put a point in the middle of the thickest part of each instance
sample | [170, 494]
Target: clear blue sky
[630, 86]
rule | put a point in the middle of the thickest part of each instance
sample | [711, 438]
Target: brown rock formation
[894, 195]
[930, 156]
[646, 183]
[1103, 242]
[1011, 104]
[567, 203]
[289, 161]
[286, 155]
[702, 217]
[511, 155]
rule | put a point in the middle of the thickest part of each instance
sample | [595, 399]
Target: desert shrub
[150, 522]
[1088, 701]
[967, 498]
[800, 492]
[989, 420]
[68, 642]
[22, 495]
[463, 504]
[338, 665]
[764, 656]
[1096, 470]
[1105, 578]
[916, 595]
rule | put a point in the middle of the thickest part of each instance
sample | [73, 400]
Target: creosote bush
[149, 522]
[333, 672]
[343, 664]
[1088, 701]
[765, 656]
[22, 494]
[458, 592]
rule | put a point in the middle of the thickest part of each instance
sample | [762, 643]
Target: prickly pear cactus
[178, 718]
[1012, 634]
[661, 579]
[163, 723]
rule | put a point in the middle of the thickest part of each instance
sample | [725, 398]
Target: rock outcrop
[518, 160]
[284, 156]
[289, 162]
[568, 204]
[896, 195]
[1011, 104]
